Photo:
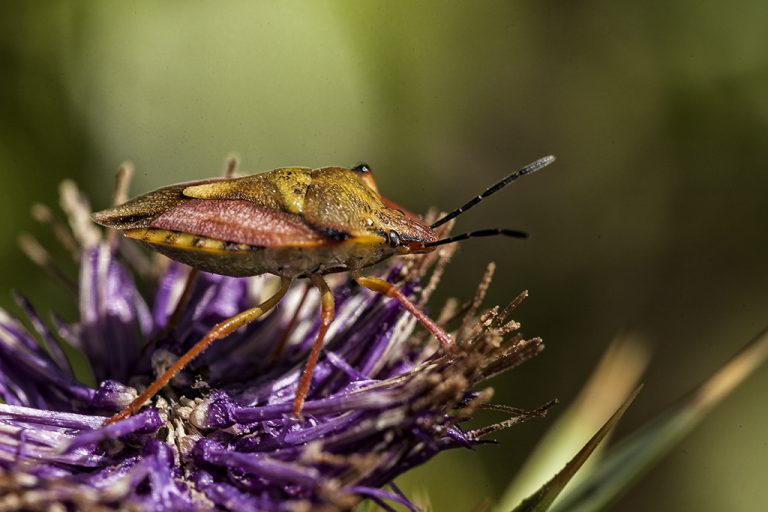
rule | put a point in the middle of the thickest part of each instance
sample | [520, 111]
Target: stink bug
[293, 222]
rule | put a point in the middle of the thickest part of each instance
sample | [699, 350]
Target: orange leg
[390, 290]
[326, 317]
[278, 350]
[220, 330]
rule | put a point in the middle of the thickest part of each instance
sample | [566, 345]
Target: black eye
[362, 167]
[393, 238]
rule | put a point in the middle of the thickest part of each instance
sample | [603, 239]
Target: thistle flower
[221, 435]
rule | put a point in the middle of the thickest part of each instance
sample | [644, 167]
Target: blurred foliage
[652, 220]
[637, 453]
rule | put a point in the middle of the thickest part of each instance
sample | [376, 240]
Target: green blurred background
[652, 221]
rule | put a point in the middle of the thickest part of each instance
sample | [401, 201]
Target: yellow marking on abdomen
[187, 241]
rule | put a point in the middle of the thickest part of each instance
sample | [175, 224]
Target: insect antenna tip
[528, 169]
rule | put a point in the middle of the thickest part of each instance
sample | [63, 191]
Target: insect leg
[381, 286]
[326, 317]
[220, 330]
[278, 350]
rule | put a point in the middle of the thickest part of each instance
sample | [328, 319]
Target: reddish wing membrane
[240, 221]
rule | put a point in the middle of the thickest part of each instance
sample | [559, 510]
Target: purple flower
[222, 435]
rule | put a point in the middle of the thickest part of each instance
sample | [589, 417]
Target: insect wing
[240, 221]
[140, 211]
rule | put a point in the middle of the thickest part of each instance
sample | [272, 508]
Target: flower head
[222, 435]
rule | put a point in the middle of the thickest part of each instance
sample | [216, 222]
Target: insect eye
[393, 239]
[362, 168]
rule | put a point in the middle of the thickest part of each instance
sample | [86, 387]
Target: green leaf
[613, 379]
[628, 461]
[542, 499]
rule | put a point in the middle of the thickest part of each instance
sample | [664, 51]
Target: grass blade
[542, 499]
[616, 375]
[628, 461]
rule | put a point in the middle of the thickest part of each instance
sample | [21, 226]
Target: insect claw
[125, 413]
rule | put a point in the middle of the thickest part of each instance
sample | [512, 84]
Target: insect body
[291, 222]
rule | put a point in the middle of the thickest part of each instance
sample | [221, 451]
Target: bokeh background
[652, 222]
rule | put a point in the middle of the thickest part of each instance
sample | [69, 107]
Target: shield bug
[295, 223]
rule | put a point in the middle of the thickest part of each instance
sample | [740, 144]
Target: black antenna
[477, 234]
[528, 169]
